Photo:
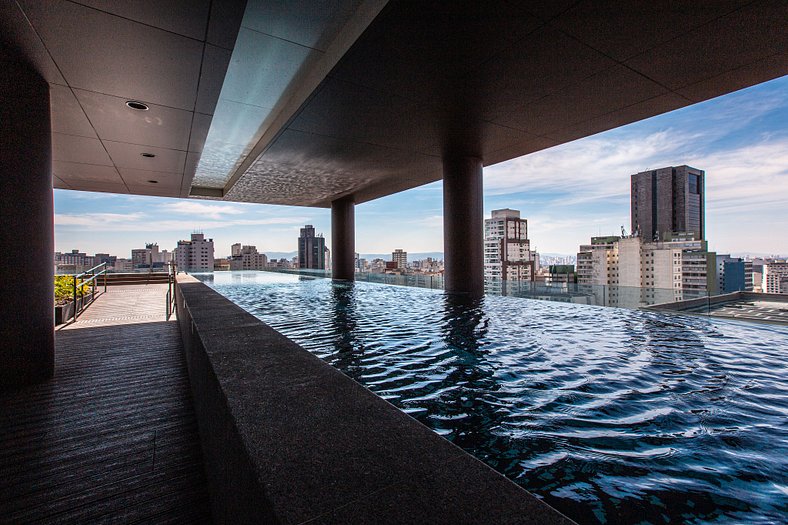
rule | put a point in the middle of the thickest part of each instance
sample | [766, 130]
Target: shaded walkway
[113, 436]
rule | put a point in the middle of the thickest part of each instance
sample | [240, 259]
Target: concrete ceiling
[304, 102]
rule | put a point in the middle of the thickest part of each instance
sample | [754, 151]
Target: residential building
[733, 274]
[507, 250]
[140, 257]
[594, 260]
[247, 258]
[667, 201]
[150, 256]
[195, 255]
[629, 272]
[311, 249]
[775, 276]
[123, 265]
[73, 262]
[401, 258]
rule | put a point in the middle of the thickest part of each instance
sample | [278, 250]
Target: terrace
[306, 106]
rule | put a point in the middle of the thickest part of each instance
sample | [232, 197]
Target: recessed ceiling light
[135, 104]
[148, 155]
[153, 181]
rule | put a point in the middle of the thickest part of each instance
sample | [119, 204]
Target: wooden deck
[113, 437]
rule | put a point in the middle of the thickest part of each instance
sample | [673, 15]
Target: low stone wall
[708, 302]
[289, 439]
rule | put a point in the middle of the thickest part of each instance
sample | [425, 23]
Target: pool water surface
[609, 415]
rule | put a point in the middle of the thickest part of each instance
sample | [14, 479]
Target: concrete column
[463, 222]
[27, 347]
[343, 239]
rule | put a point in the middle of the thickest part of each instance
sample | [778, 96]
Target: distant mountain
[760, 255]
[281, 255]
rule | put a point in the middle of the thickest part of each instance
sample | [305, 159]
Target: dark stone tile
[464, 491]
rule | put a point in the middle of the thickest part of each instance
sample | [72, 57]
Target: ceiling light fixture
[148, 155]
[135, 104]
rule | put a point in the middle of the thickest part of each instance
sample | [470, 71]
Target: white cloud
[141, 222]
[213, 211]
[88, 221]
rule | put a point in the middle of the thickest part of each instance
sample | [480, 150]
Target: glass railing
[749, 306]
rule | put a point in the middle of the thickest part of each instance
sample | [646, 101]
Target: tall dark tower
[667, 201]
[311, 249]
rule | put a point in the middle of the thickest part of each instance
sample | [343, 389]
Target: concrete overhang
[301, 103]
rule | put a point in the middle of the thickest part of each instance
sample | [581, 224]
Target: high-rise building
[247, 258]
[775, 276]
[400, 257]
[507, 250]
[668, 201]
[595, 260]
[733, 274]
[311, 249]
[195, 255]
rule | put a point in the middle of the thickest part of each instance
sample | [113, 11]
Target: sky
[568, 193]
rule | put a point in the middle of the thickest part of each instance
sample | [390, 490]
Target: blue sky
[568, 193]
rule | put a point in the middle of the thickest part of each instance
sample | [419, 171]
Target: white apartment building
[629, 272]
[775, 277]
[195, 255]
[507, 250]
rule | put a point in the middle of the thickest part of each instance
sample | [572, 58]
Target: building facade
[775, 276]
[507, 251]
[247, 258]
[195, 255]
[627, 272]
[311, 249]
[400, 257]
[733, 274]
[667, 201]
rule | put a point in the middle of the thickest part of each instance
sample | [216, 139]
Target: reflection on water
[611, 416]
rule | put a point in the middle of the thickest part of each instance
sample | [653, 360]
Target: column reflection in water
[348, 347]
[464, 410]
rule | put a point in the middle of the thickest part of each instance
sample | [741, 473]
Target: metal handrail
[171, 274]
[93, 275]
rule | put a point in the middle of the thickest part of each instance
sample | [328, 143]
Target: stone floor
[113, 436]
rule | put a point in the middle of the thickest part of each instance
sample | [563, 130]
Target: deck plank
[113, 436]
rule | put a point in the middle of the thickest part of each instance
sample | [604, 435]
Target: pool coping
[289, 439]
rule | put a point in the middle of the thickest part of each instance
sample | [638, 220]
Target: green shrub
[64, 288]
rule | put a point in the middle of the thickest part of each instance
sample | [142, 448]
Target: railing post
[75, 298]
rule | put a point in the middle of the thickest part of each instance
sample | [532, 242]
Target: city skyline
[567, 193]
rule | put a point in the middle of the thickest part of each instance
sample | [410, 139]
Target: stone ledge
[289, 439]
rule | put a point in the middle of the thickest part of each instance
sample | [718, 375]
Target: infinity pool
[609, 415]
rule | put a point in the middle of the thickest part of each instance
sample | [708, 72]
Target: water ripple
[611, 416]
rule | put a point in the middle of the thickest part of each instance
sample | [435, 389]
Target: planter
[65, 312]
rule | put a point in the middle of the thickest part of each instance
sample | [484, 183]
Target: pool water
[609, 415]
